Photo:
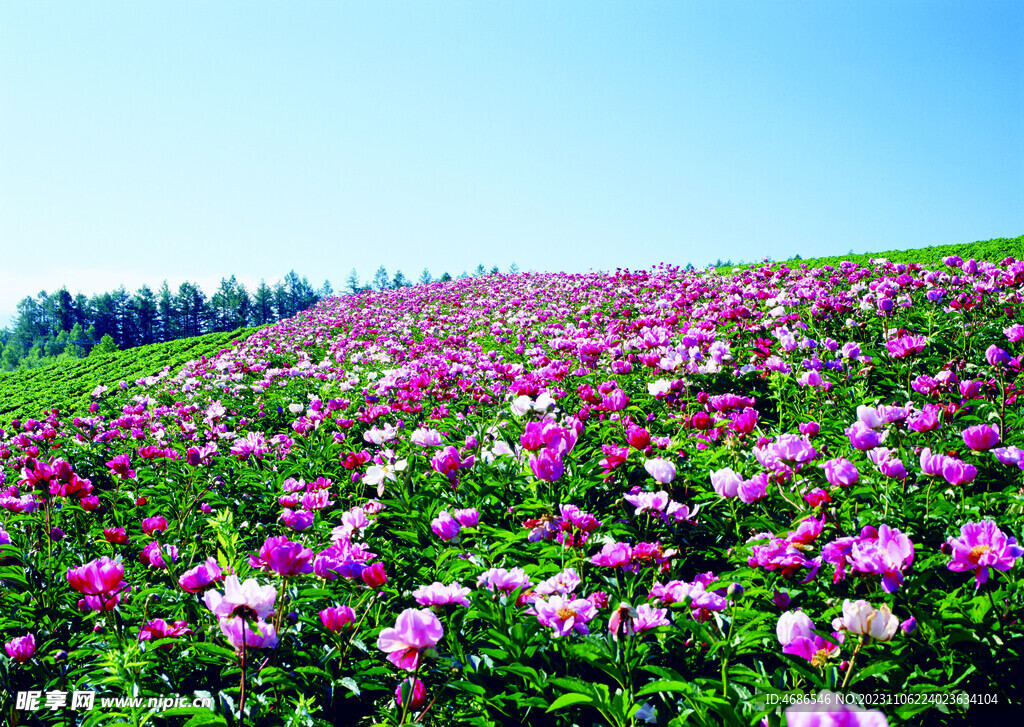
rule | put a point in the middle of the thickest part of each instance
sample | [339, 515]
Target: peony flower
[335, 618]
[661, 470]
[860, 617]
[241, 599]
[418, 695]
[981, 437]
[22, 648]
[198, 578]
[981, 546]
[445, 526]
[726, 482]
[241, 634]
[284, 557]
[414, 632]
[565, 614]
[97, 577]
[438, 594]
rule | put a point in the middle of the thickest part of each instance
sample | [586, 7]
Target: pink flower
[198, 578]
[862, 436]
[956, 472]
[613, 555]
[981, 437]
[414, 632]
[241, 599]
[335, 618]
[499, 579]
[153, 554]
[298, 519]
[160, 629]
[795, 632]
[22, 648]
[438, 594]
[981, 546]
[661, 470]
[97, 577]
[628, 620]
[841, 472]
[726, 482]
[415, 690]
[241, 634]
[565, 614]
[996, 356]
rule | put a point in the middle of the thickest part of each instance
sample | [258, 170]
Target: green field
[66, 385]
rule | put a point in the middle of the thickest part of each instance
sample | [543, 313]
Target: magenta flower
[335, 618]
[121, 465]
[565, 614]
[22, 648]
[546, 465]
[196, 579]
[906, 346]
[283, 556]
[152, 525]
[829, 711]
[982, 546]
[159, 629]
[957, 472]
[414, 632]
[97, 577]
[374, 576]
[981, 437]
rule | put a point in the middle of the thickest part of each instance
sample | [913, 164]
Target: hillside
[67, 385]
[665, 497]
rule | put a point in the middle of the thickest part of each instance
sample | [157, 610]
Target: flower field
[662, 497]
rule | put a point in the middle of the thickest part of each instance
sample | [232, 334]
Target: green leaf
[663, 685]
[569, 699]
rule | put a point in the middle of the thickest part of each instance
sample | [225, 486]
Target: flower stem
[849, 669]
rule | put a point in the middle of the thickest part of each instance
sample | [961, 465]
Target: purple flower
[298, 519]
[445, 526]
[284, 557]
[661, 470]
[996, 356]
[981, 546]
[862, 436]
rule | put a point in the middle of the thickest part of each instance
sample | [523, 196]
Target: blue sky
[194, 140]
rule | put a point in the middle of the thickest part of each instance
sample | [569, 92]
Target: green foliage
[66, 384]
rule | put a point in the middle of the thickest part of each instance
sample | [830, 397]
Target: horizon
[196, 142]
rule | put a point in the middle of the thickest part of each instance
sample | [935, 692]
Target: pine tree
[425, 278]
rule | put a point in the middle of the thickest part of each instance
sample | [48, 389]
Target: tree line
[49, 326]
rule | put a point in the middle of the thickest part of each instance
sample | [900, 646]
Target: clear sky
[192, 140]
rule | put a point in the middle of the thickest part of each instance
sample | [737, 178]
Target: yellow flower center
[977, 552]
[565, 613]
[819, 658]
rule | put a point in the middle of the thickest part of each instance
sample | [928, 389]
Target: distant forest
[50, 326]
